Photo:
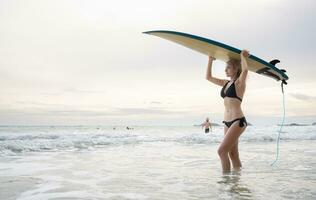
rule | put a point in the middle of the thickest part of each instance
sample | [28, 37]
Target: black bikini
[231, 92]
[242, 122]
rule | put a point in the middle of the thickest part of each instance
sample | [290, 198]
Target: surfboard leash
[280, 130]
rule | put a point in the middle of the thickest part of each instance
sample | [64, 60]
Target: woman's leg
[224, 159]
[234, 157]
[225, 129]
[229, 141]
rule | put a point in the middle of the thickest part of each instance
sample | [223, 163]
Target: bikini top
[230, 92]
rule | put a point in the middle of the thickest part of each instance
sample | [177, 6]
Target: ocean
[153, 162]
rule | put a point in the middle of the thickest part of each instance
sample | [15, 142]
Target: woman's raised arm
[209, 76]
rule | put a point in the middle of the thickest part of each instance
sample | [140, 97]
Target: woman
[235, 123]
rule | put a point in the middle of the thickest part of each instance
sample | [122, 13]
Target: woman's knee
[233, 155]
[222, 151]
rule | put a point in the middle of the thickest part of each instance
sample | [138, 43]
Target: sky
[80, 62]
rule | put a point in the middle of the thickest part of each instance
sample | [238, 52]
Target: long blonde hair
[236, 66]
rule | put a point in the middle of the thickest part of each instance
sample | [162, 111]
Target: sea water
[175, 162]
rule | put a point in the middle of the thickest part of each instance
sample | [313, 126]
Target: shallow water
[153, 163]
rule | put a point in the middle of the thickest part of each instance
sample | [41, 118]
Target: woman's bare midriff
[232, 109]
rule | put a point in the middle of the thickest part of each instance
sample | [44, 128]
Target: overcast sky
[71, 62]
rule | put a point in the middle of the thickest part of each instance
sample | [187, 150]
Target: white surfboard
[222, 52]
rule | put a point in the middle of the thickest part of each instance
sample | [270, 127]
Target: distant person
[207, 125]
[235, 122]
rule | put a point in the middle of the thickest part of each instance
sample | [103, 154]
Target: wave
[298, 124]
[53, 143]
[28, 143]
[21, 140]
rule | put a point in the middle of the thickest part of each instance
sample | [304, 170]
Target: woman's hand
[244, 53]
[211, 58]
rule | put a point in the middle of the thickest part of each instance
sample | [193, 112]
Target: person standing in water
[234, 120]
[207, 126]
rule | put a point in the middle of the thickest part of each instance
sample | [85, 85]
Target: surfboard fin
[274, 62]
[284, 82]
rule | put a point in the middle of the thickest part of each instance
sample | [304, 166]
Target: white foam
[19, 140]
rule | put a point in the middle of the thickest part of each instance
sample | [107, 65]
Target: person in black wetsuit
[234, 120]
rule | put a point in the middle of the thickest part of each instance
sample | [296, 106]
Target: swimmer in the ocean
[207, 125]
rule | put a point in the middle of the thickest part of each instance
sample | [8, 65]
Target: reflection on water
[231, 187]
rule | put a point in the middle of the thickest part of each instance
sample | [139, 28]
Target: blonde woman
[234, 120]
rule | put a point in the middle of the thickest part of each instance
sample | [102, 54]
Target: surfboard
[222, 52]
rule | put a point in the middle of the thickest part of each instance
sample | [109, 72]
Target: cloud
[303, 97]
[33, 103]
[155, 102]
[71, 112]
[74, 90]
[145, 111]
